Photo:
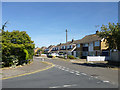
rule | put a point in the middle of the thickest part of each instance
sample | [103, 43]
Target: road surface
[63, 75]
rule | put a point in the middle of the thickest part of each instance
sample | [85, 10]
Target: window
[91, 44]
[85, 45]
[70, 46]
[78, 45]
[85, 53]
[64, 47]
[67, 46]
[97, 43]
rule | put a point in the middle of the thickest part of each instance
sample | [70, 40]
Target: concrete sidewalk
[36, 65]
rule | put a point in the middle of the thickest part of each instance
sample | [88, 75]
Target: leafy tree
[111, 33]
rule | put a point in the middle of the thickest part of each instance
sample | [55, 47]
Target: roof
[89, 38]
[51, 46]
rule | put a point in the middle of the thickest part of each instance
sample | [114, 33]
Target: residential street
[65, 75]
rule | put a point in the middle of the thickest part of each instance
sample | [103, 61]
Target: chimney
[97, 32]
[72, 40]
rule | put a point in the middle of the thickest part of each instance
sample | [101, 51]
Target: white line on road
[66, 70]
[77, 71]
[55, 87]
[69, 85]
[83, 74]
[106, 81]
[63, 86]
[77, 74]
[71, 72]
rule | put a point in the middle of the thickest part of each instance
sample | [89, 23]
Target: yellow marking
[30, 72]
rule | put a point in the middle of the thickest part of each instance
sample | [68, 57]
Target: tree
[111, 33]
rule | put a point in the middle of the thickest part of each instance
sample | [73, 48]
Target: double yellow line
[31, 72]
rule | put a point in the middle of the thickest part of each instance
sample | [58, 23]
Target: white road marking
[55, 87]
[106, 81]
[71, 72]
[77, 71]
[96, 77]
[77, 74]
[83, 74]
[69, 85]
[66, 70]
[63, 86]
[98, 82]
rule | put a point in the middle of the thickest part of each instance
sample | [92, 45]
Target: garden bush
[17, 46]
[71, 57]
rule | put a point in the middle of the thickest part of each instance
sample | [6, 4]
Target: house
[65, 48]
[43, 48]
[48, 50]
[91, 45]
[36, 49]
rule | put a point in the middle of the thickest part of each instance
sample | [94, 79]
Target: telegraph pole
[66, 35]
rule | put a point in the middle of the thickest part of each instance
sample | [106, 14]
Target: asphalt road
[61, 76]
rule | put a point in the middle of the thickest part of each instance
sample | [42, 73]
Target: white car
[55, 54]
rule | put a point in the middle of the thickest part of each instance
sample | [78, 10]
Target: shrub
[10, 61]
[70, 57]
[26, 54]
[17, 43]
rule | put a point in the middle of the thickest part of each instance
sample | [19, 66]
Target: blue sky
[46, 22]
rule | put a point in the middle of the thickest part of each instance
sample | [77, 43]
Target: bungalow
[49, 49]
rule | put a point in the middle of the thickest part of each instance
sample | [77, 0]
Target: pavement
[65, 74]
[34, 66]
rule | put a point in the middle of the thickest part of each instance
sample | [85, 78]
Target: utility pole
[66, 35]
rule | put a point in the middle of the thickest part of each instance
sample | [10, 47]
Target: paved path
[63, 75]
[36, 65]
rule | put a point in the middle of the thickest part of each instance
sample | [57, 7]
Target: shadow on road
[104, 65]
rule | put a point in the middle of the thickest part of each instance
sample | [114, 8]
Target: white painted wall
[97, 58]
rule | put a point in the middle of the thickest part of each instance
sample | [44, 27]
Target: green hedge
[17, 47]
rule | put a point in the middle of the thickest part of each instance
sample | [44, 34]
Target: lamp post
[66, 46]
[66, 35]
